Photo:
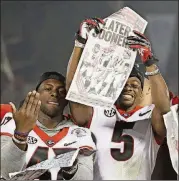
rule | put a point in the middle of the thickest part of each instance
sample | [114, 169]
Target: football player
[171, 123]
[128, 135]
[165, 167]
[38, 131]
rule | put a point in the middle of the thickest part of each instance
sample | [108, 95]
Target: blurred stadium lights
[115, 5]
[5, 64]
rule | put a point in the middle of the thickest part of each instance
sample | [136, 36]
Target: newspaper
[33, 172]
[171, 124]
[106, 61]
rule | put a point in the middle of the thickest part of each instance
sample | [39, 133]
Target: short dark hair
[137, 73]
[45, 76]
[50, 75]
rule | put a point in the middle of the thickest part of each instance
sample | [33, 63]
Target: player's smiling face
[52, 96]
[131, 93]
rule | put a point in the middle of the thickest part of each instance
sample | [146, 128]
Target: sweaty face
[52, 96]
[131, 93]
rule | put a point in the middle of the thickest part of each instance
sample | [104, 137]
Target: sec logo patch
[110, 112]
[31, 140]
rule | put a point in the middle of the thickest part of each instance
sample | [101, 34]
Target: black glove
[142, 44]
[85, 27]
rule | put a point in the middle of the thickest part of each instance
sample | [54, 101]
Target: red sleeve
[5, 108]
[175, 100]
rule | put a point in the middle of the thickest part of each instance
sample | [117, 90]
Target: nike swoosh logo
[6, 120]
[142, 114]
[67, 144]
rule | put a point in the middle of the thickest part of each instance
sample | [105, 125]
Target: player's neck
[49, 122]
[125, 108]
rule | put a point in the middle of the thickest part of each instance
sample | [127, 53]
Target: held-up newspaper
[53, 165]
[106, 61]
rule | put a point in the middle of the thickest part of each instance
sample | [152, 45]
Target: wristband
[21, 134]
[151, 61]
[20, 138]
[155, 72]
[78, 44]
[80, 39]
[18, 141]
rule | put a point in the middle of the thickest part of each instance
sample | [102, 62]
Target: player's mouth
[53, 103]
[127, 96]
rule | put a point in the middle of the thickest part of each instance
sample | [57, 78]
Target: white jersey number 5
[127, 140]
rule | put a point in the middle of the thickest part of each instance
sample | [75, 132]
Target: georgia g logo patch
[110, 112]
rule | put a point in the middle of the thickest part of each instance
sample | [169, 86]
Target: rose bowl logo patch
[79, 132]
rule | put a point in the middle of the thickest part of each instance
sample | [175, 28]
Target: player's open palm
[25, 118]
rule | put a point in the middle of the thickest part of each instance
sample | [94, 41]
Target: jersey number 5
[126, 140]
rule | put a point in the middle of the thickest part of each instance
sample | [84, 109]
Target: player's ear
[141, 96]
[141, 92]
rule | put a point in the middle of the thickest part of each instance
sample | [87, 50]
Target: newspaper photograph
[34, 171]
[106, 61]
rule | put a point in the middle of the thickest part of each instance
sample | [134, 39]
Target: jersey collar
[127, 114]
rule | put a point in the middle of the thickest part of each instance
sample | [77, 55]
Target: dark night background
[39, 36]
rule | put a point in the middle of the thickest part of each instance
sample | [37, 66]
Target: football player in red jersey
[38, 131]
[132, 133]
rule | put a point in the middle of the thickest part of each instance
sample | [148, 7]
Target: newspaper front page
[53, 165]
[106, 61]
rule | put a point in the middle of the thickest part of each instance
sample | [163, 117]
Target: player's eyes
[62, 91]
[48, 89]
[135, 86]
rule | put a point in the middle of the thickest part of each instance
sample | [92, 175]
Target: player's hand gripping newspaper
[106, 61]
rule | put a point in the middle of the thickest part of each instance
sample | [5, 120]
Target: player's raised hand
[25, 118]
[85, 27]
[141, 43]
